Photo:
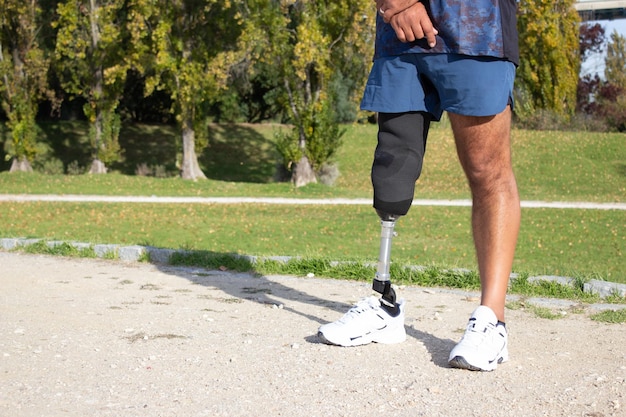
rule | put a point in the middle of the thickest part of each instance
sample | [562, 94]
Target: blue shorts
[467, 85]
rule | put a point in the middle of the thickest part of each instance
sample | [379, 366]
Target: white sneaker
[364, 323]
[484, 344]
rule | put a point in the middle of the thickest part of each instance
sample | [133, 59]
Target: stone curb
[136, 253]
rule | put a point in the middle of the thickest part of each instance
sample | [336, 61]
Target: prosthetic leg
[397, 166]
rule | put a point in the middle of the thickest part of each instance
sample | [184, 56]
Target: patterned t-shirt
[468, 27]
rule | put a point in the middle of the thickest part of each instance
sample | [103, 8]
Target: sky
[595, 63]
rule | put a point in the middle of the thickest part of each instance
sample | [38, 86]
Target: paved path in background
[277, 200]
[92, 337]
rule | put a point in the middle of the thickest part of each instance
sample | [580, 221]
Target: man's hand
[413, 23]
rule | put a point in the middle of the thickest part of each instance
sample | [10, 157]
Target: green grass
[240, 161]
[611, 316]
[431, 276]
[60, 249]
[570, 166]
[541, 312]
[593, 245]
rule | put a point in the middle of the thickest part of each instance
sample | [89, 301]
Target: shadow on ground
[234, 152]
[239, 153]
[261, 289]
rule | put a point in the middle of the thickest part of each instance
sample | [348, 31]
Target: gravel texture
[91, 337]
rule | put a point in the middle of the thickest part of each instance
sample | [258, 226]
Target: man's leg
[483, 146]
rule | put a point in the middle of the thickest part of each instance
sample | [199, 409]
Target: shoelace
[359, 308]
[476, 332]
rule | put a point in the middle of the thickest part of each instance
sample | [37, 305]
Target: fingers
[429, 32]
[414, 23]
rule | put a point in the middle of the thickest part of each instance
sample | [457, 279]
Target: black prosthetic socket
[398, 160]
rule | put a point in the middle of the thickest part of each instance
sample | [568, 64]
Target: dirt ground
[107, 338]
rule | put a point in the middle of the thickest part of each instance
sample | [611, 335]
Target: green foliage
[23, 74]
[615, 69]
[51, 166]
[323, 137]
[287, 146]
[59, 249]
[311, 44]
[24, 131]
[342, 90]
[191, 47]
[549, 48]
[106, 141]
[92, 59]
[241, 60]
[615, 113]
[614, 106]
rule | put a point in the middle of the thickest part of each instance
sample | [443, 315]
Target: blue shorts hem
[471, 86]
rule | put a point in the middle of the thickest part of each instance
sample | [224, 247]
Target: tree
[605, 99]
[591, 39]
[313, 43]
[91, 56]
[615, 68]
[23, 74]
[550, 56]
[615, 74]
[191, 48]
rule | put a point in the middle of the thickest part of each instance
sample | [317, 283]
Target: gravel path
[107, 338]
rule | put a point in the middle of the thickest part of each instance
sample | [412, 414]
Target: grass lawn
[593, 245]
[240, 161]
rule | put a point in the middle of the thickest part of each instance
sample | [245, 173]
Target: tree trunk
[303, 173]
[98, 167]
[21, 165]
[190, 169]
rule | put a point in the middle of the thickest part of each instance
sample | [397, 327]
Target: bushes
[547, 120]
[318, 139]
[602, 101]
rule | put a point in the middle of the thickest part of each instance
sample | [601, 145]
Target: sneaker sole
[320, 335]
[461, 363]
[387, 337]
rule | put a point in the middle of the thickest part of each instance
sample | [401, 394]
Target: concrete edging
[135, 253]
